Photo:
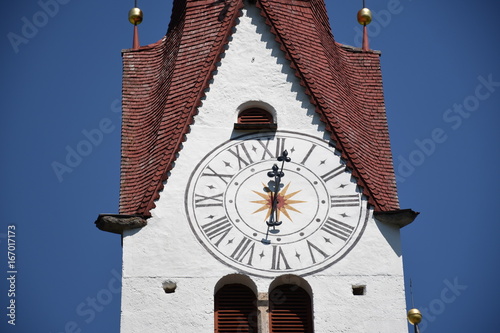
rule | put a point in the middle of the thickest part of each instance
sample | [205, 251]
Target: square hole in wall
[358, 290]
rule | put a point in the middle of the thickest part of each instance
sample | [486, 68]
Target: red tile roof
[163, 84]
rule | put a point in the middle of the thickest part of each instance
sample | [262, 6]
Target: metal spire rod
[411, 294]
[414, 316]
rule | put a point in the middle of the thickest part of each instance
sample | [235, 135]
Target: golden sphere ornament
[364, 16]
[135, 16]
[414, 316]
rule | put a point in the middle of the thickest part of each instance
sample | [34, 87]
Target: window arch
[235, 309]
[290, 310]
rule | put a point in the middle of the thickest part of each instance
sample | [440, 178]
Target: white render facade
[253, 72]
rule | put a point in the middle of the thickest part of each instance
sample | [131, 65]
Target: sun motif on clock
[285, 201]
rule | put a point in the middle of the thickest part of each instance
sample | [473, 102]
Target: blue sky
[61, 69]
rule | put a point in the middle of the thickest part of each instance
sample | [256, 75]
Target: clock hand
[273, 216]
[271, 222]
[277, 174]
[277, 181]
[284, 158]
[275, 196]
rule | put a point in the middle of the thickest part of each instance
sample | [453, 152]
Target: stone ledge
[118, 223]
[400, 218]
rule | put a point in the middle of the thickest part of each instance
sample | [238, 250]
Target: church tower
[257, 185]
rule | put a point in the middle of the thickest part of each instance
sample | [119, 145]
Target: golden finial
[135, 16]
[364, 16]
[414, 316]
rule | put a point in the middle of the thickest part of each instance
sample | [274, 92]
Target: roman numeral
[219, 227]
[279, 258]
[280, 146]
[266, 149]
[243, 160]
[311, 246]
[243, 250]
[208, 201]
[344, 200]
[215, 174]
[338, 229]
[308, 154]
[333, 173]
[240, 151]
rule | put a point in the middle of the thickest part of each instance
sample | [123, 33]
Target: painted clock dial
[229, 200]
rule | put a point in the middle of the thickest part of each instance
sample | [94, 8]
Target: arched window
[290, 310]
[255, 118]
[235, 309]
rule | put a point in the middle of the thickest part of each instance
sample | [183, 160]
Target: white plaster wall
[253, 68]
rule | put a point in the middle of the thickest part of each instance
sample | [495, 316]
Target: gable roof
[163, 84]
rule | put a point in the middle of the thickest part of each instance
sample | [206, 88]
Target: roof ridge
[357, 49]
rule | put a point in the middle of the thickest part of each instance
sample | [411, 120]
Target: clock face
[229, 198]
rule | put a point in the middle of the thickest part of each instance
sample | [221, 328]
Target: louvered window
[290, 310]
[235, 309]
[255, 118]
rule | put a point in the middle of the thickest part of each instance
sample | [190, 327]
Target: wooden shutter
[255, 116]
[235, 309]
[290, 310]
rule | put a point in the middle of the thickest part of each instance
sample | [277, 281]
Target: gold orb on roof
[364, 16]
[135, 16]
[414, 316]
